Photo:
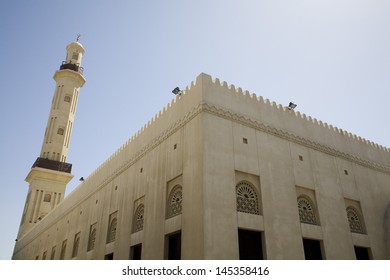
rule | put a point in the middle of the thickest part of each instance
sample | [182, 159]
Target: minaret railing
[53, 165]
[71, 66]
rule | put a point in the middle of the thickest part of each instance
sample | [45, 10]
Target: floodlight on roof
[176, 91]
[291, 106]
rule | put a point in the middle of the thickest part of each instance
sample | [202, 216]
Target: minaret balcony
[71, 66]
[53, 165]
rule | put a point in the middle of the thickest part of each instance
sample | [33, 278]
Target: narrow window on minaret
[75, 56]
[75, 97]
[49, 130]
[59, 97]
[67, 98]
[47, 197]
[60, 131]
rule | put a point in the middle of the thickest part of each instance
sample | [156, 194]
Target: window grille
[307, 213]
[139, 218]
[175, 202]
[355, 222]
[112, 231]
[247, 199]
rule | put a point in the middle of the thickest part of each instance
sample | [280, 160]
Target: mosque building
[219, 173]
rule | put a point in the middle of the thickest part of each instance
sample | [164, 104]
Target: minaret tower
[50, 173]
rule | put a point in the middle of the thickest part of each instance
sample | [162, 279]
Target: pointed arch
[175, 198]
[247, 198]
[307, 210]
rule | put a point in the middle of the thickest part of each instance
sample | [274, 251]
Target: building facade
[223, 174]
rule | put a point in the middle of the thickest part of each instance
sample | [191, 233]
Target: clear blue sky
[331, 57]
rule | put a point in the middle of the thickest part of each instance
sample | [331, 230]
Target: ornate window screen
[92, 237]
[112, 230]
[76, 245]
[175, 199]
[247, 199]
[139, 218]
[355, 220]
[307, 213]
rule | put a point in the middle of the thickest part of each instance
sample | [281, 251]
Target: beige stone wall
[197, 141]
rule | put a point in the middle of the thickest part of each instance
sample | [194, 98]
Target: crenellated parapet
[273, 108]
[218, 97]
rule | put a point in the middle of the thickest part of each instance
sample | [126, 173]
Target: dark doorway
[312, 249]
[362, 253]
[250, 245]
[109, 257]
[174, 246]
[135, 252]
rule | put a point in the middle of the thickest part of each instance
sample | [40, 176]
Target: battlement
[206, 90]
[231, 89]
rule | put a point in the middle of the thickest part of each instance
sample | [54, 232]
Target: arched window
[47, 197]
[307, 211]
[247, 199]
[53, 252]
[60, 131]
[63, 250]
[91, 240]
[67, 98]
[139, 218]
[355, 220]
[112, 231]
[76, 245]
[175, 199]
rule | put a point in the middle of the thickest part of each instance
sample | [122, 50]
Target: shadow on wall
[386, 224]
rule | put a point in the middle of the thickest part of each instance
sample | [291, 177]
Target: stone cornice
[238, 118]
[244, 120]
[70, 73]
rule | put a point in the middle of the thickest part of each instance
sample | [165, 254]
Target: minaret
[50, 173]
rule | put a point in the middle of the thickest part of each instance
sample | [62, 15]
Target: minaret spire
[50, 172]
